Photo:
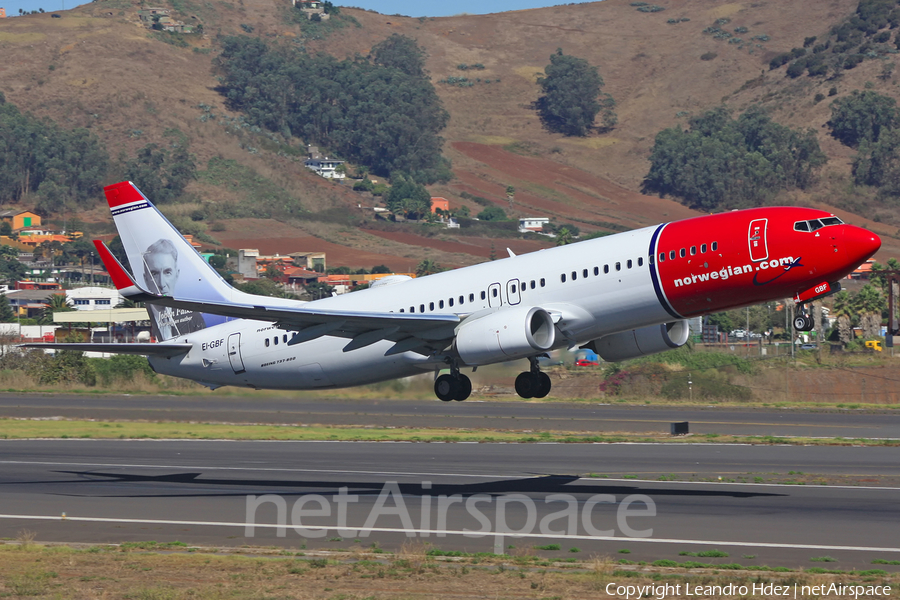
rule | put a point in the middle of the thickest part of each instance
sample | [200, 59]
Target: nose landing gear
[533, 383]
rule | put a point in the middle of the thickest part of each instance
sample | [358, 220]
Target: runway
[558, 416]
[205, 492]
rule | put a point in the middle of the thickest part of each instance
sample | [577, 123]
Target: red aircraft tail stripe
[116, 271]
[121, 193]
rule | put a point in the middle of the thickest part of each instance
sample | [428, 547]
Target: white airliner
[625, 295]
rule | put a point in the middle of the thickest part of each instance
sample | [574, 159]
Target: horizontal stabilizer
[145, 349]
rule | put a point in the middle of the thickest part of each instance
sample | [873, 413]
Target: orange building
[2, 13]
[440, 203]
[20, 219]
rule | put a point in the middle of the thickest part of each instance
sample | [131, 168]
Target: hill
[98, 67]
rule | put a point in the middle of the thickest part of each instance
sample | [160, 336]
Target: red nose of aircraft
[860, 244]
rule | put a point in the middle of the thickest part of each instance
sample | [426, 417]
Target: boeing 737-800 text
[624, 296]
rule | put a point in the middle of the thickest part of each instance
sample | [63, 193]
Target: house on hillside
[93, 298]
[533, 224]
[440, 203]
[312, 261]
[20, 219]
[312, 7]
[326, 167]
[2, 13]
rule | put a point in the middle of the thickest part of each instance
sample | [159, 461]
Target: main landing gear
[803, 322]
[453, 386]
[533, 383]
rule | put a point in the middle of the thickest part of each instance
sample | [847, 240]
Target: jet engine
[506, 334]
[641, 342]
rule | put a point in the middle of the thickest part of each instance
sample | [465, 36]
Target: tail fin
[164, 262]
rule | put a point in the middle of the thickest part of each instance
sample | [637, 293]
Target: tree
[843, 311]
[406, 197]
[491, 213]
[7, 315]
[564, 237]
[55, 303]
[400, 52]
[570, 103]
[868, 304]
[862, 116]
[381, 269]
[428, 267]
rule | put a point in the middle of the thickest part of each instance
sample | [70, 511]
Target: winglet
[120, 277]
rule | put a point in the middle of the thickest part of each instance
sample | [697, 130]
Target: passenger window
[672, 255]
[574, 275]
[441, 304]
[662, 257]
[702, 248]
[472, 297]
[606, 268]
[494, 292]
[693, 250]
[450, 301]
[715, 246]
[641, 261]
[275, 340]
[462, 300]
[618, 266]
[584, 273]
[267, 342]
[543, 283]
[523, 286]
[401, 310]
[483, 295]
[512, 289]
[681, 253]
[596, 271]
[284, 338]
[421, 308]
[431, 306]
[562, 277]
[628, 264]
[532, 284]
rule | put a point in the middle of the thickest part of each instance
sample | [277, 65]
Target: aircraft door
[512, 291]
[756, 237]
[494, 298]
[234, 353]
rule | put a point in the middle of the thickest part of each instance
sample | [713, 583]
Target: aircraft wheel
[802, 323]
[446, 388]
[465, 388]
[544, 385]
[527, 385]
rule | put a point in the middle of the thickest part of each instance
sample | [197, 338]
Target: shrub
[708, 56]
[781, 59]
[818, 98]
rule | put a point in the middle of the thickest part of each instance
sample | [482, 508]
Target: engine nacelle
[506, 334]
[641, 342]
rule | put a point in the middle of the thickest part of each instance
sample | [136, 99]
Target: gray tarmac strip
[202, 492]
[559, 416]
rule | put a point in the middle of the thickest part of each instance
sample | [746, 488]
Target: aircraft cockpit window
[828, 221]
[801, 226]
[815, 224]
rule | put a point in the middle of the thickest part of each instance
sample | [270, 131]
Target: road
[205, 492]
[578, 417]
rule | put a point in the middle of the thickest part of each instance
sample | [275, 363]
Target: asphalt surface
[204, 492]
[559, 416]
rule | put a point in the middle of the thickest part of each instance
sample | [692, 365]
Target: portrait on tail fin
[161, 272]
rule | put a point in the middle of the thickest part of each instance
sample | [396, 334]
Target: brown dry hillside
[97, 67]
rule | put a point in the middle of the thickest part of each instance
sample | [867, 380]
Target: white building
[93, 298]
[326, 167]
[533, 224]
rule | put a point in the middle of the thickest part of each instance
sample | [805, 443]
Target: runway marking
[452, 532]
[790, 485]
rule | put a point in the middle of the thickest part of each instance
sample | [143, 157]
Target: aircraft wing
[145, 349]
[409, 331]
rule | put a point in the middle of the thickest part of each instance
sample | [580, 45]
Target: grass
[83, 429]
[416, 571]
